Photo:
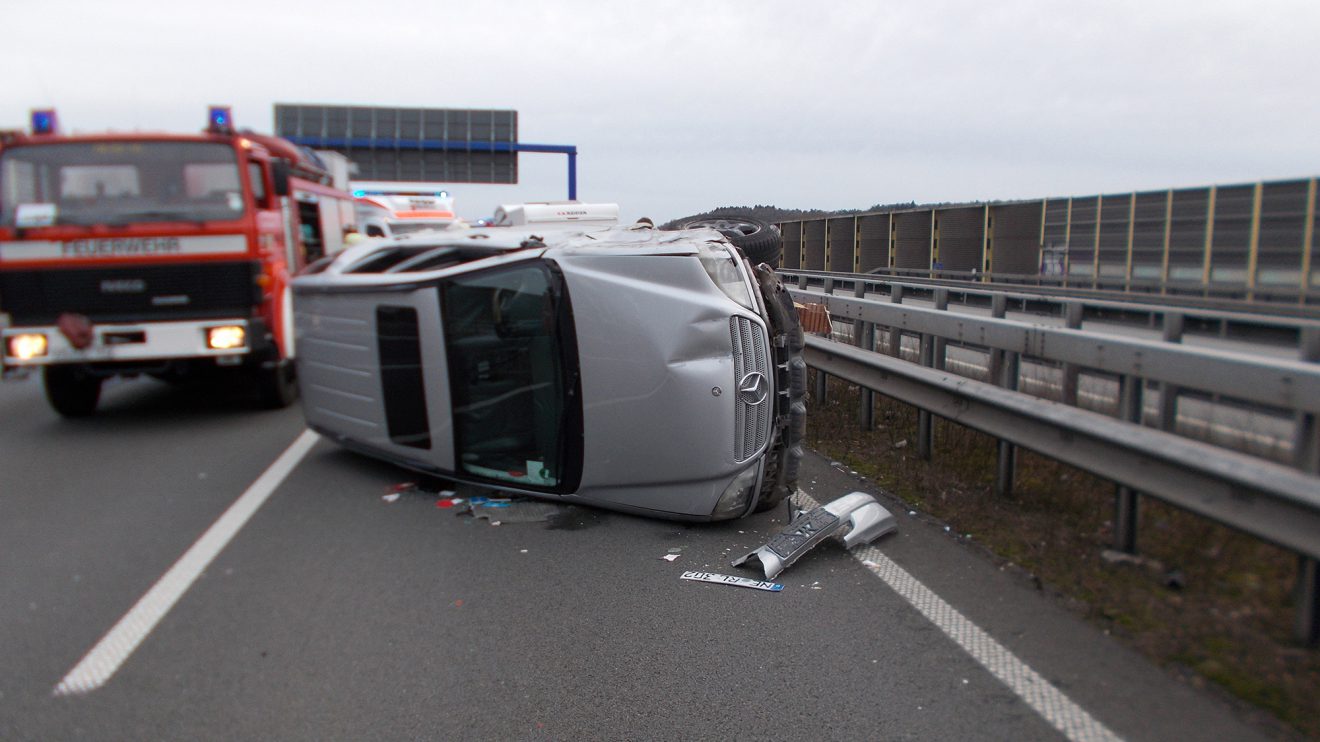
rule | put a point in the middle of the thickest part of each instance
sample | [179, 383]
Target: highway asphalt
[334, 614]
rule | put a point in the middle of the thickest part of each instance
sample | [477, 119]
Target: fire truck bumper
[228, 341]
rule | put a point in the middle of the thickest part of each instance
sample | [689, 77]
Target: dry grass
[1203, 597]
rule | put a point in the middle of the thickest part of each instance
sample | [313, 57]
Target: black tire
[71, 391]
[759, 240]
[277, 386]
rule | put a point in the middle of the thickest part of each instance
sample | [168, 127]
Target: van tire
[71, 391]
[759, 240]
[277, 386]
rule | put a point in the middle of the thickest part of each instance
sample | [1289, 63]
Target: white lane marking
[104, 659]
[1050, 702]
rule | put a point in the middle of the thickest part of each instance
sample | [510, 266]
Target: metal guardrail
[1277, 503]
[1278, 383]
[1227, 316]
[1265, 301]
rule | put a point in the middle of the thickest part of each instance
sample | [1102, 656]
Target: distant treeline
[776, 214]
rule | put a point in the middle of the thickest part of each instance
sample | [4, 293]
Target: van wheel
[759, 240]
[277, 387]
[71, 391]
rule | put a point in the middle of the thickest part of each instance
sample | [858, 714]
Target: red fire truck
[160, 254]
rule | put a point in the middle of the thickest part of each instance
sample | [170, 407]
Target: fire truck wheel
[277, 387]
[71, 391]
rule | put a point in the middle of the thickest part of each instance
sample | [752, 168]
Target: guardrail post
[865, 340]
[932, 356]
[1072, 318]
[1174, 322]
[895, 335]
[942, 304]
[1306, 441]
[1306, 455]
[821, 378]
[1007, 466]
[1126, 499]
[803, 281]
[995, 362]
[1307, 595]
[925, 422]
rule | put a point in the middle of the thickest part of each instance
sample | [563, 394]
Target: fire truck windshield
[118, 182]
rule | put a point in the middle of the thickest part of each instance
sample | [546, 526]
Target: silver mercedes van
[649, 371]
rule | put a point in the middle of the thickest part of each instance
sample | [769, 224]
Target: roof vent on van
[555, 212]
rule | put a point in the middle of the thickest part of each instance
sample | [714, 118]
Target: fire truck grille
[751, 378]
[131, 293]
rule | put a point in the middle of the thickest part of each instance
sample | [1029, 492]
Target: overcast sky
[679, 107]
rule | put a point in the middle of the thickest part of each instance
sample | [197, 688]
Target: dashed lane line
[104, 659]
[1048, 701]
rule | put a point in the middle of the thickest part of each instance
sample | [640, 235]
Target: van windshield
[514, 388]
[88, 183]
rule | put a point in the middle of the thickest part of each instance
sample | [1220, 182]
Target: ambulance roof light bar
[386, 188]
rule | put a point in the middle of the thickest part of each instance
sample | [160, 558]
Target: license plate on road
[731, 580]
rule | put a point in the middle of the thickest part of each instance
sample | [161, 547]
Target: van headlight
[738, 495]
[722, 269]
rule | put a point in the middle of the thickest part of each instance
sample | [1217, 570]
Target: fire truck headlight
[226, 337]
[27, 346]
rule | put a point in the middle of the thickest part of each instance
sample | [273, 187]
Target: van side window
[375, 231]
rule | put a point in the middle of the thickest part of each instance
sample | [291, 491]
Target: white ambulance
[392, 209]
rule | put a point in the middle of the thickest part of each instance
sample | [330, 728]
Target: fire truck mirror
[279, 173]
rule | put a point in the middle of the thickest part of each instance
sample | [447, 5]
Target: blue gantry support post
[448, 145]
[572, 174]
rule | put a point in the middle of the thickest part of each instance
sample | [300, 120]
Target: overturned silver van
[655, 372]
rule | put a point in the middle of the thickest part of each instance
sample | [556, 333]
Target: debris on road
[400, 489]
[731, 580]
[815, 318]
[1152, 566]
[670, 557]
[869, 521]
[512, 510]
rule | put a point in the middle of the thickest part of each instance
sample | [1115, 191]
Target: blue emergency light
[43, 121]
[221, 120]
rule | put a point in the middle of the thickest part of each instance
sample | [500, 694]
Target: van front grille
[753, 387]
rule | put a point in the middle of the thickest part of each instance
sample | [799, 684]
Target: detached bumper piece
[868, 518]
